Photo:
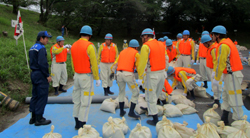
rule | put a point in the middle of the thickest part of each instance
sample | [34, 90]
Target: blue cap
[43, 33]
[133, 43]
[59, 38]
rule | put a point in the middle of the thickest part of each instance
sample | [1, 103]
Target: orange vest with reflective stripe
[185, 46]
[178, 69]
[235, 42]
[126, 61]
[157, 55]
[209, 59]
[168, 87]
[80, 56]
[174, 43]
[164, 43]
[61, 57]
[108, 54]
[202, 51]
[172, 54]
[235, 61]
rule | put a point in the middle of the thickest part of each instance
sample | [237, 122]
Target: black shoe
[212, 97]
[109, 92]
[77, 123]
[143, 108]
[154, 121]
[192, 98]
[159, 102]
[56, 90]
[215, 102]
[143, 90]
[105, 91]
[164, 102]
[81, 124]
[61, 88]
[205, 84]
[132, 111]
[122, 112]
[33, 118]
[224, 117]
[41, 121]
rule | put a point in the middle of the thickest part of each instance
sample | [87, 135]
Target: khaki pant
[154, 84]
[230, 98]
[124, 78]
[105, 73]
[82, 95]
[216, 90]
[184, 61]
[59, 74]
[204, 70]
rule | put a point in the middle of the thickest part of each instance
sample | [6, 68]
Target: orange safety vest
[80, 56]
[157, 55]
[172, 54]
[202, 51]
[185, 46]
[126, 61]
[168, 87]
[61, 57]
[174, 43]
[108, 54]
[178, 69]
[209, 59]
[235, 42]
[235, 61]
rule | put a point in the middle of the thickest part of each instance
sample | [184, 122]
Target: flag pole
[26, 52]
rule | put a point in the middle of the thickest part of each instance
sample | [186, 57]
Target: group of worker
[152, 65]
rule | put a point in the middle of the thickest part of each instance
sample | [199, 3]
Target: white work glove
[66, 46]
[166, 75]
[98, 82]
[197, 61]
[216, 83]
[69, 46]
[139, 82]
[192, 62]
[213, 74]
[184, 94]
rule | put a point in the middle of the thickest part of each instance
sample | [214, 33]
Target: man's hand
[66, 46]
[197, 61]
[98, 82]
[112, 75]
[192, 62]
[49, 79]
[139, 82]
[215, 82]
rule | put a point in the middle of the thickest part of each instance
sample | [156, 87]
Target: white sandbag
[238, 134]
[80, 132]
[238, 123]
[177, 92]
[198, 133]
[173, 64]
[184, 131]
[140, 132]
[185, 109]
[247, 131]
[171, 111]
[177, 96]
[209, 129]
[126, 103]
[111, 130]
[168, 132]
[163, 96]
[224, 131]
[89, 132]
[51, 134]
[200, 92]
[122, 124]
[141, 103]
[163, 122]
[214, 116]
[160, 110]
[184, 101]
[109, 105]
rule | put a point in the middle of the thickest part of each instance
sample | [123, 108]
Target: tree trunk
[15, 4]
[41, 10]
[100, 28]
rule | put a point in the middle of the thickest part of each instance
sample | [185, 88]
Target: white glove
[197, 61]
[98, 82]
[192, 62]
[139, 82]
[184, 94]
[216, 83]
[69, 45]
[166, 75]
[213, 74]
[66, 46]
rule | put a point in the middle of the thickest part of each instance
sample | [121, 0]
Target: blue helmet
[147, 31]
[59, 38]
[179, 35]
[86, 30]
[161, 39]
[133, 43]
[205, 38]
[205, 33]
[108, 36]
[169, 42]
[219, 29]
[186, 32]
[165, 38]
[171, 70]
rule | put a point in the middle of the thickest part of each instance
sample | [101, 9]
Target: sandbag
[185, 109]
[184, 101]
[80, 132]
[163, 96]
[178, 96]
[183, 130]
[126, 103]
[122, 124]
[51, 134]
[209, 129]
[89, 132]
[178, 92]
[141, 103]
[200, 92]
[163, 122]
[224, 131]
[214, 116]
[160, 110]
[198, 133]
[173, 64]
[168, 132]
[239, 134]
[140, 132]
[171, 111]
[109, 105]
[247, 131]
[111, 130]
[238, 123]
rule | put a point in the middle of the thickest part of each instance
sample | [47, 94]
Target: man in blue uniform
[40, 79]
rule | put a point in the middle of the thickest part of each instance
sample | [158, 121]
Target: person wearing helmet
[186, 48]
[124, 65]
[125, 44]
[171, 50]
[210, 60]
[84, 63]
[201, 57]
[59, 74]
[229, 64]
[107, 54]
[154, 59]
[178, 37]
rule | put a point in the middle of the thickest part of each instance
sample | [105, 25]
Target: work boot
[61, 88]
[77, 123]
[105, 91]
[154, 121]
[192, 98]
[122, 112]
[81, 124]
[159, 102]
[215, 102]
[132, 111]
[141, 89]
[41, 121]
[56, 90]
[224, 117]
[33, 118]
[164, 102]
[205, 84]
[109, 92]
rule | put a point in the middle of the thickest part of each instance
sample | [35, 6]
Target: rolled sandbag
[224, 131]
[200, 92]
[184, 101]
[140, 132]
[171, 111]
[214, 116]
[185, 109]
[111, 130]
[126, 103]
[183, 130]
[168, 132]
[109, 105]
[163, 122]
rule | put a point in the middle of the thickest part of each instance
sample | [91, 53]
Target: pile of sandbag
[87, 132]
[224, 131]
[171, 111]
[178, 98]
[214, 117]
[209, 129]
[183, 130]
[140, 132]
[241, 48]
[239, 134]
[51, 134]
[115, 128]
[185, 109]
[198, 133]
